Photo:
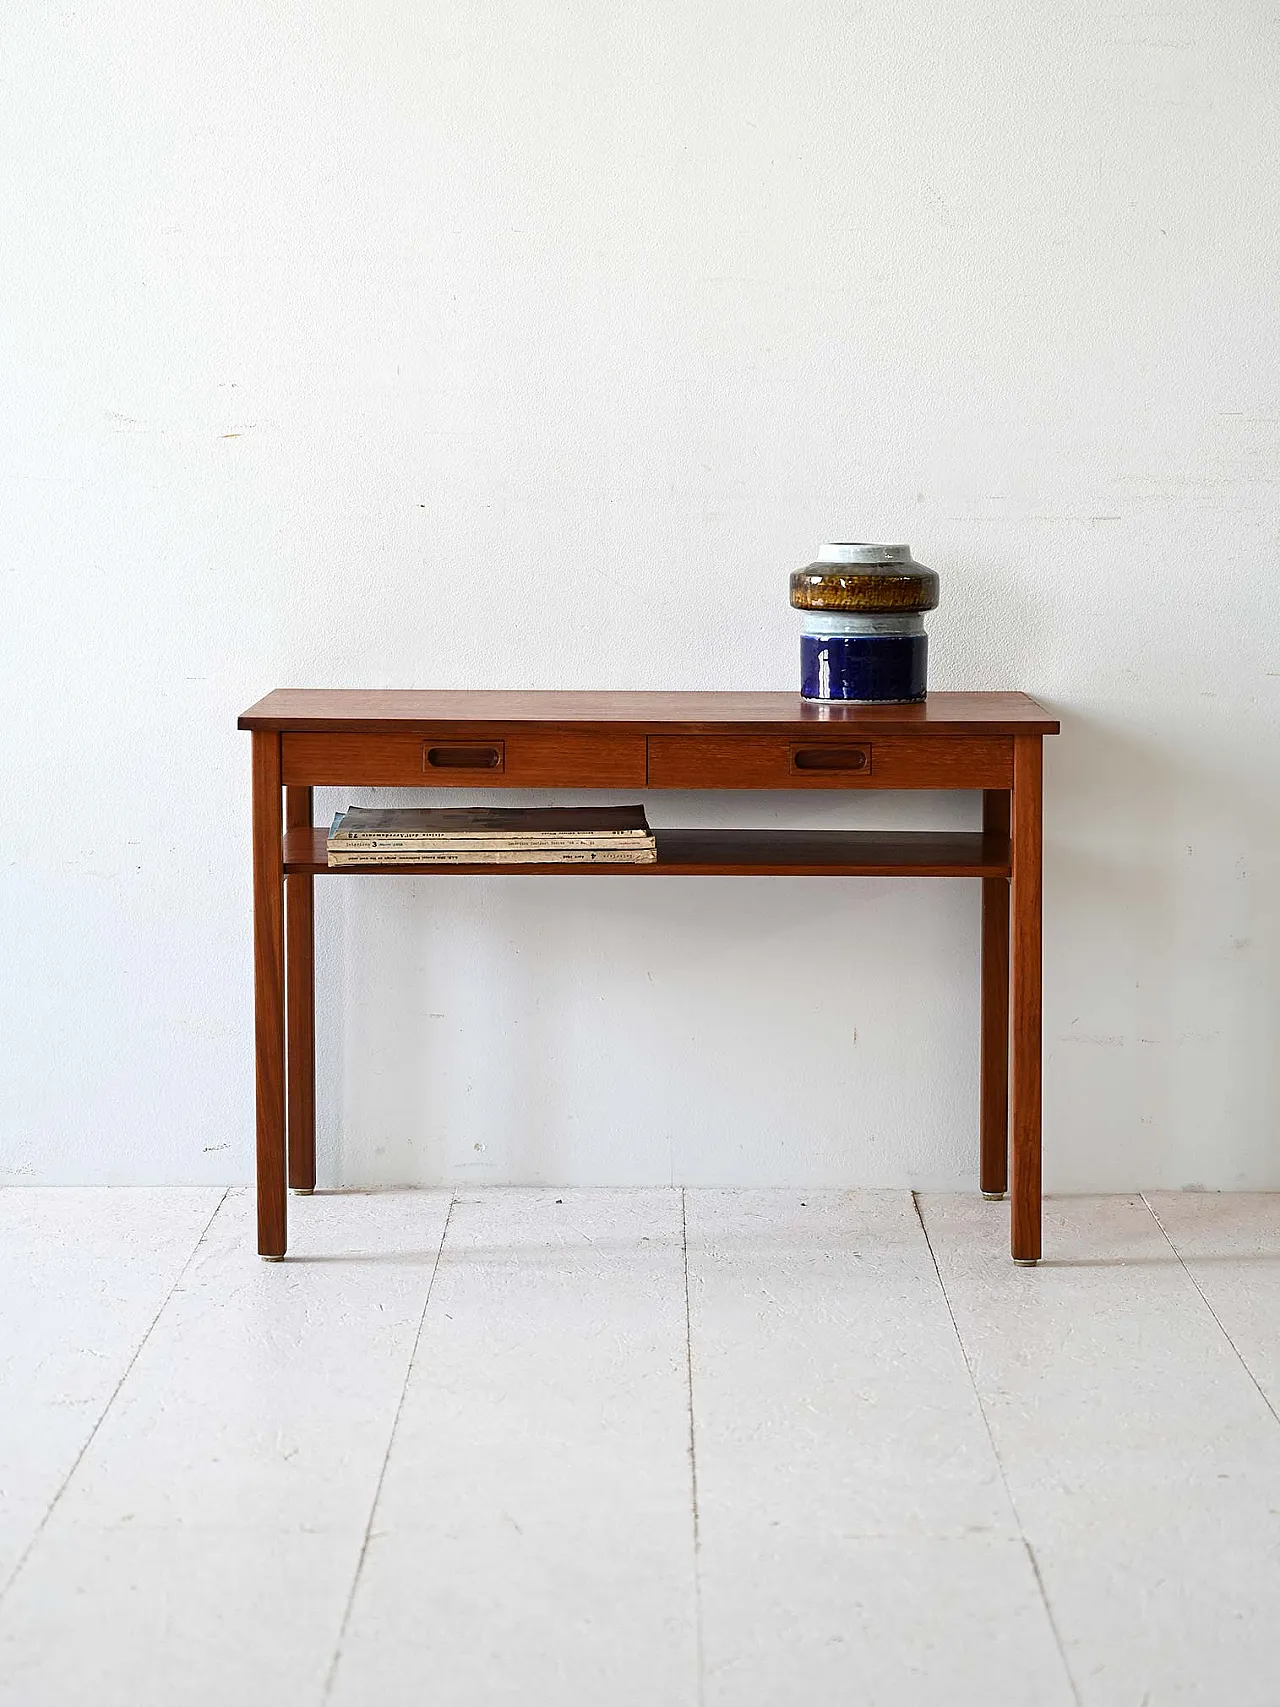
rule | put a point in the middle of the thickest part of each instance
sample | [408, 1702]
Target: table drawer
[514, 759]
[829, 761]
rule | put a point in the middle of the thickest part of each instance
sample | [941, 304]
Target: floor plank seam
[1261, 1391]
[999, 1462]
[92, 1435]
[693, 1452]
[386, 1458]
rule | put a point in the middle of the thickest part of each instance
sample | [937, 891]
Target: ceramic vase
[863, 640]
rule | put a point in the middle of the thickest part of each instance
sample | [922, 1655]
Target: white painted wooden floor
[734, 1449]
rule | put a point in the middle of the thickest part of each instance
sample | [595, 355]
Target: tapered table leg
[1026, 888]
[300, 1004]
[268, 990]
[994, 1167]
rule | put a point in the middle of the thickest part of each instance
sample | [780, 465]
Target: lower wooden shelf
[728, 853]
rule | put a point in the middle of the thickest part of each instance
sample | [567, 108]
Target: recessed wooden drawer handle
[488, 758]
[826, 758]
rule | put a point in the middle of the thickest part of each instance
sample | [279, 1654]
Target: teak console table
[304, 738]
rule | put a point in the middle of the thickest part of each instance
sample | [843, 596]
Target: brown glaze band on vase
[875, 580]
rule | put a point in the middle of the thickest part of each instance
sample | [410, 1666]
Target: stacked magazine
[492, 835]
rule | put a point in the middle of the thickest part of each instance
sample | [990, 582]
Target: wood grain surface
[741, 760]
[1025, 986]
[372, 711]
[300, 1004]
[730, 853]
[268, 991]
[994, 1093]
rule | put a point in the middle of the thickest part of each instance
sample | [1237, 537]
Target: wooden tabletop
[383, 710]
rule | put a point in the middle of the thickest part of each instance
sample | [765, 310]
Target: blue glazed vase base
[864, 669]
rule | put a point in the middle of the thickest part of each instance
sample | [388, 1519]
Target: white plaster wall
[532, 345]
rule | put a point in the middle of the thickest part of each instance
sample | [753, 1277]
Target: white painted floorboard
[83, 1276]
[533, 1541]
[857, 1542]
[1143, 1462]
[205, 1546]
[1230, 1244]
[387, 1471]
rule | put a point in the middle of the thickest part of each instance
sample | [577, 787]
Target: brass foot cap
[302, 1190]
[266, 1258]
[995, 1196]
[1026, 1262]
